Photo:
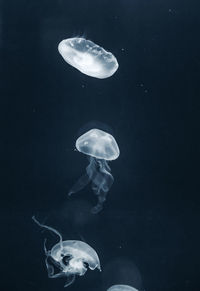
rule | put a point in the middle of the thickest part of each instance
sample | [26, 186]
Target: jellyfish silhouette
[121, 274]
[100, 147]
[88, 57]
[70, 257]
[121, 288]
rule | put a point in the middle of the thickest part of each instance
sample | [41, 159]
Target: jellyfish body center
[77, 266]
[88, 57]
[86, 61]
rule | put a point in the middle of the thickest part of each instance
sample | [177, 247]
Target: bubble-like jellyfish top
[121, 288]
[99, 144]
[77, 250]
[88, 57]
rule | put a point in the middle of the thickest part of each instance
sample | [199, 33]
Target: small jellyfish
[100, 147]
[88, 57]
[70, 257]
[121, 288]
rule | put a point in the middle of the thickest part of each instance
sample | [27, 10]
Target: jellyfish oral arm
[50, 271]
[63, 273]
[70, 280]
[97, 172]
[50, 267]
[102, 181]
[77, 265]
[60, 275]
[80, 184]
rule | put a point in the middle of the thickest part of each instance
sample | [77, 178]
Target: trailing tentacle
[49, 228]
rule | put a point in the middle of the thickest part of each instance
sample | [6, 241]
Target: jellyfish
[122, 275]
[100, 147]
[87, 57]
[70, 257]
[121, 288]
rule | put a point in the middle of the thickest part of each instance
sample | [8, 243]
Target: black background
[150, 218]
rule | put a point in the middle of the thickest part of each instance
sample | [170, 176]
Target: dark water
[148, 233]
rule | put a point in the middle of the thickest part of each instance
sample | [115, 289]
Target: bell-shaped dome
[99, 144]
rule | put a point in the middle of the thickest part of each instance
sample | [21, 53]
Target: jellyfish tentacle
[48, 256]
[95, 188]
[80, 184]
[91, 169]
[58, 275]
[49, 228]
[105, 168]
[102, 179]
[97, 208]
[101, 184]
[70, 281]
[97, 183]
[83, 180]
[101, 199]
[50, 268]
[47, 253]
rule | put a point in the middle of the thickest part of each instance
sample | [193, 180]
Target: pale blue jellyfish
[88, 57]
[121, 274]
[70, 257]
[121, 288]
[100, 147]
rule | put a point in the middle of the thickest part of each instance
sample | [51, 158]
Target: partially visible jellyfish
[121, 288]
[121, 274]
[88, 57]
[70, 257]
[100, 147]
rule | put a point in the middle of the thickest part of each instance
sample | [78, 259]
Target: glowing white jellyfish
[121, 288]
[88, 57]
[69, 257]
[100, 147]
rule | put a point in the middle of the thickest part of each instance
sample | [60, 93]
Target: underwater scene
[99, 145]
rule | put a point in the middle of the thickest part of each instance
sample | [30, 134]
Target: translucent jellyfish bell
[70, 257]
[101, 147]
[98, 144]
[88, 57]
[121, 274]
[121, 288]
